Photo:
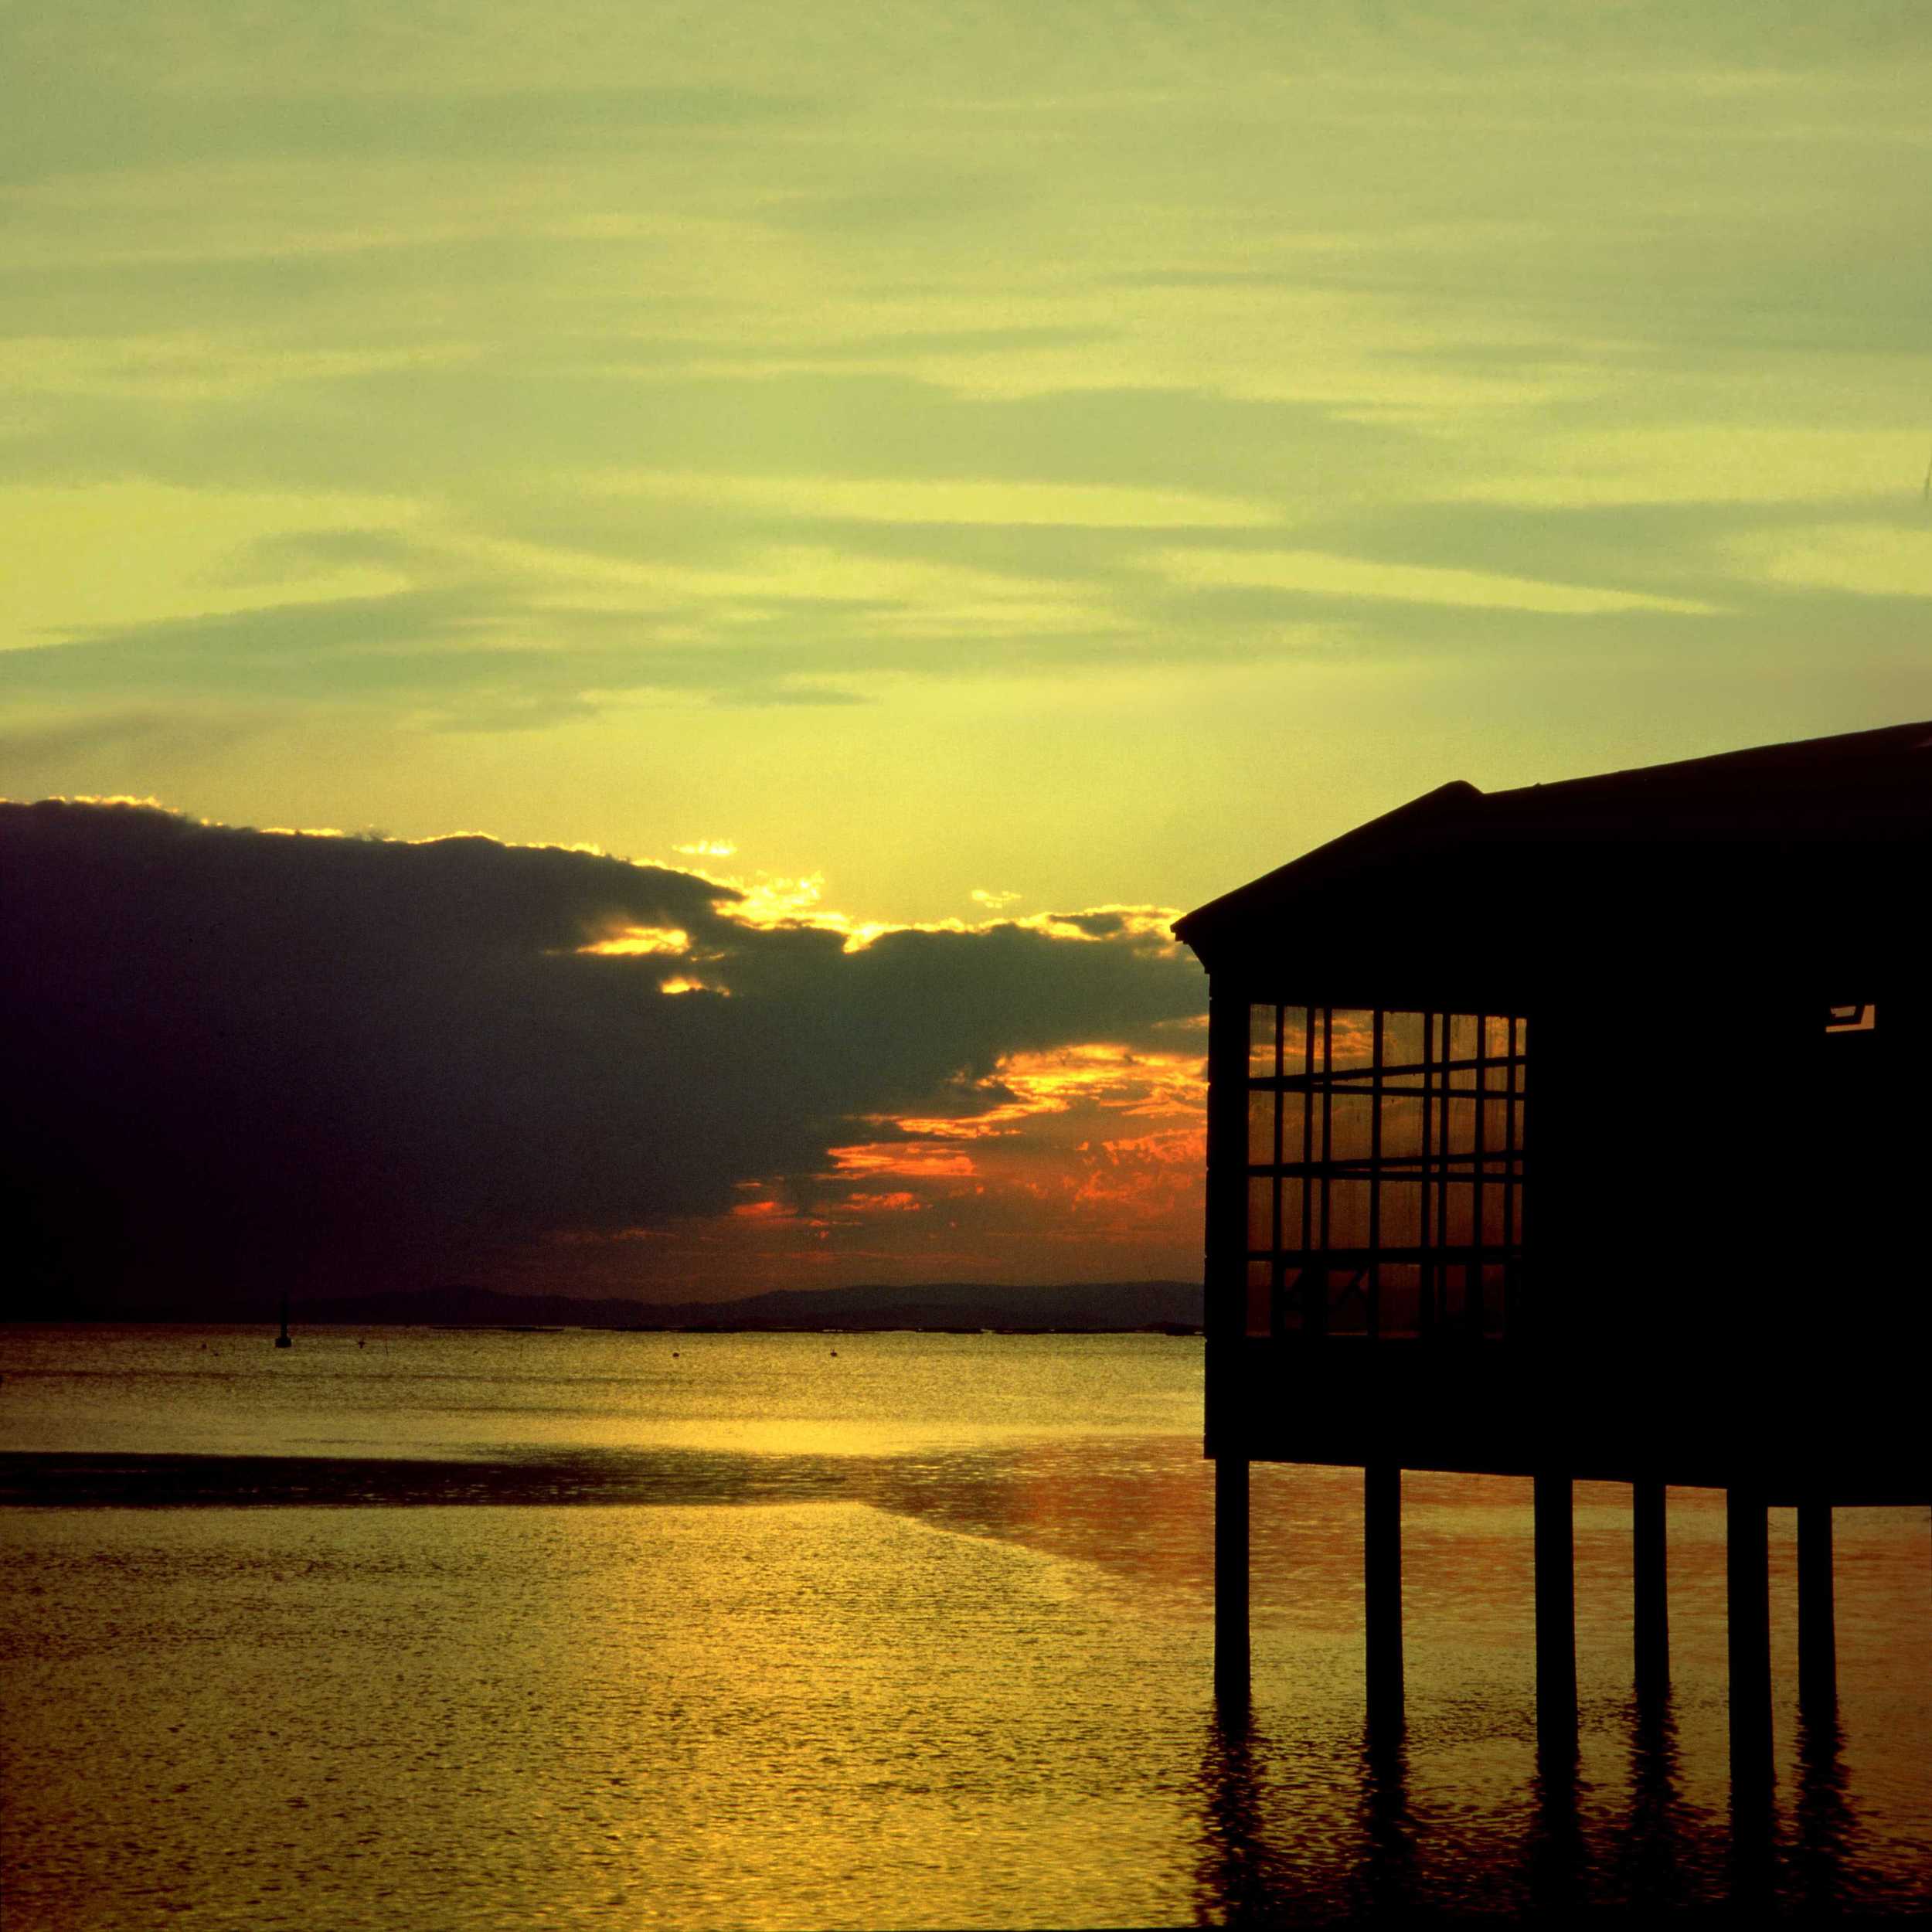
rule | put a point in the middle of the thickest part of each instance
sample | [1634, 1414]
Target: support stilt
[1748, 1615]
[1555, 1618]
[1651, 1570]
[1231, 1581]
[1817, 1628]
[1382, 1592]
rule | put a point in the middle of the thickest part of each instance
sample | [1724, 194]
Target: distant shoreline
[931, 1307]
[348, 1325]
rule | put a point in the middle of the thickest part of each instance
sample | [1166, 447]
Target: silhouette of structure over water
[1579, 1131]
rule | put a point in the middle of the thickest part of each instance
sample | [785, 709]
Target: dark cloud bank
[377, 1065]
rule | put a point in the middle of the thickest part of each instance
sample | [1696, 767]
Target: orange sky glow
[1082, 1163]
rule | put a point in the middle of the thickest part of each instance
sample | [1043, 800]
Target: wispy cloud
[986, 500]
[1324, 576]
[1149, 439]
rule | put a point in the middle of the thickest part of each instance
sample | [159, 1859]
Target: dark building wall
[1724, 1273]
[1723, 1270]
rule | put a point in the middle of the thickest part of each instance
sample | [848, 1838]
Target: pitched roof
[1861, 787]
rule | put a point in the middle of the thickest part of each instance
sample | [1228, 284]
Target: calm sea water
[571, 1630]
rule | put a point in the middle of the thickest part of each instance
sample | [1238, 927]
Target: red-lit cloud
[369, 1064]
[1083, 1160]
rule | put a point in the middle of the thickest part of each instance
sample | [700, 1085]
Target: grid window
[1384, 1171]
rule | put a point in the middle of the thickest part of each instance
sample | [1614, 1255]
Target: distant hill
[1103, 1305]
[1081, 1306]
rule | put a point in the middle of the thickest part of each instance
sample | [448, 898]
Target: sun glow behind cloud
[637, 941]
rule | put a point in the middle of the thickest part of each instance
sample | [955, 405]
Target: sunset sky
[966, 467]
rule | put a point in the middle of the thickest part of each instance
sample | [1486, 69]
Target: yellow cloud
[137, 552]
[920, 598]
[1707, 462]
[1867, 560]
[990, 500]
[1322, 574]
[186, 366]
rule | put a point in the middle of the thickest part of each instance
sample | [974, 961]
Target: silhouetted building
[1584, 1129]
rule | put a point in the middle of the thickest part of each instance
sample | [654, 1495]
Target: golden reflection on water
[430, 1392]
[810, 1716]
[966, 1684]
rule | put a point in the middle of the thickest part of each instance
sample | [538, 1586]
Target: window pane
[1300, 1127]
[1351, 1125]
[1494, 1300]
[1288, 1306]
[1292, 1193]
[1462, 1046]
[1261, 1043]
[1351, 1039]
[1348, 1214]
[1462, 1127]
[1492, 1217]
[1401, 1214]
[1462, 1203]
[1294, 1039]
[1261, 1215]
[1398, 1298]
[1349, 1301]
[1402, 1039]
[1401, 1127]
[1261, 1129]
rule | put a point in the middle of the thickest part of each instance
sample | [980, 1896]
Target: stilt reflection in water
[1825, 1825]
[1235, 1881]
[1556, 1859]
[1657, 1844]
[1386, 1883]
[1314, 1828]
[1301, 1832]
[1751, 1885]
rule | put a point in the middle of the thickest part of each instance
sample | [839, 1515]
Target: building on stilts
[1581, 1132]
